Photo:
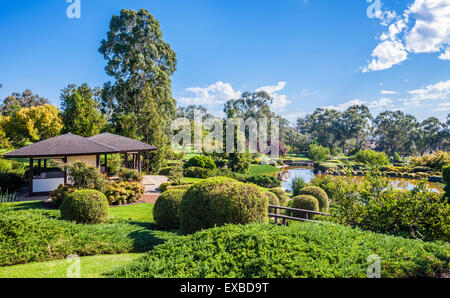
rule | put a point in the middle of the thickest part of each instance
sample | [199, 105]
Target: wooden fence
[284, 218]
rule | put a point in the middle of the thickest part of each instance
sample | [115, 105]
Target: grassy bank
[91, 267]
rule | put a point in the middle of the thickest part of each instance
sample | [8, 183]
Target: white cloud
[220, 92]
[217, 93]
[280, 101]
[292, 117]
[374, 105]
[439, 90]
[344, 106]
[445, 55]
[380, 103]
[443, 107]
[422, 28]
[306, 92]
[387, 54]
[431, 31]
[388, 92]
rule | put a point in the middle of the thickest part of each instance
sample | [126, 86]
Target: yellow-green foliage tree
[32, 124]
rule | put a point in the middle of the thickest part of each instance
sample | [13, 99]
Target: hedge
[306, 203]
[319, 194]
[281, 194]
[218, 201]
[85, 206]
[166, 209]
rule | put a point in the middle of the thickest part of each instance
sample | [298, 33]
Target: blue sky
[307, 54]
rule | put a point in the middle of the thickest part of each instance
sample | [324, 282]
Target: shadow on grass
[147, 237]
[34, 205]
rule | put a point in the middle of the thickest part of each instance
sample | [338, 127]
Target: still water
[290, 173]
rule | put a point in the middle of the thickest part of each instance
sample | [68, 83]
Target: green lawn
[91, 267]
[256, 170]
[298, 157]
[137, 213]
[195, 180]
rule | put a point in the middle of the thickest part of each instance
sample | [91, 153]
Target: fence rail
[285, 218]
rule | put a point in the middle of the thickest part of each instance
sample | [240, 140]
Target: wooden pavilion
[71, 148]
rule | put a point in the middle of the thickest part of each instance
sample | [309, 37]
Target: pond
[290, 173]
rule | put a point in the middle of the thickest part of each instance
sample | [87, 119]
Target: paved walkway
[152, 184]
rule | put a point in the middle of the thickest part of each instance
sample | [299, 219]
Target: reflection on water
[290, 173]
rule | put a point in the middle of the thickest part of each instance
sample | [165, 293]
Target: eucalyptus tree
[16, 101]
[356, 121]
[139, 100]
[429, 135]
[395, 132]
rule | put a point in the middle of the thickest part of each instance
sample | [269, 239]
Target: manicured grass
[195, 180]
[137, 213]
[256, 170]
[310, 250]
[91, 267]
[299, 157]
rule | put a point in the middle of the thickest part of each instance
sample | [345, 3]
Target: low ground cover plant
[39, 235]
[300, 250]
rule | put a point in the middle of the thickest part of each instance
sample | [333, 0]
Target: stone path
[151, 185]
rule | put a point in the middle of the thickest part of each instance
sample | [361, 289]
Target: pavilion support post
[125, 161]
[31, 175]
[98, 161]
[39, 167]
[106, 164]
[139, 163]
[65, 170]
[45, 165]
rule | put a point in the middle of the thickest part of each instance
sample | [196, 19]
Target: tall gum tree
[139, 101]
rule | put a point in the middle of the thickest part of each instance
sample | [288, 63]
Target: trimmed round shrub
[306, 203]
[163, 187]
[166, 209]
[201, 161]
[273, 200]
[218, 201]
[319, 194]
[165, 171]
[60, 194]
[120, 193]
[86, 206]
[182, 186]
[196, 172]
[264, 181]
[281, 194]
